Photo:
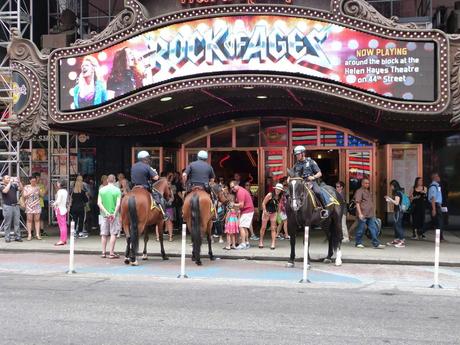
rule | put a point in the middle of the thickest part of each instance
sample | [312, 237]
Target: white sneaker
[221, 241]
[241, 246]
[247, 245]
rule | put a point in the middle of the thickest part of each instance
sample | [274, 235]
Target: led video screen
[395, 69]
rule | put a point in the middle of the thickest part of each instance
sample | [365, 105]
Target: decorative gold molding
[27, 60]
[455, 78]
[360, 9]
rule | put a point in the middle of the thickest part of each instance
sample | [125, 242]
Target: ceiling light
[166, 99]
[121, 125]
[188, 107]
[262, 97]
[248, 87]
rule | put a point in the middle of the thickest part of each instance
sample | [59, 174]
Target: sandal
[60, 243]
[227, 248]
[104, 255]
[171, 239]
[114, 256]
[29, 238]
[272, 248]
[261, 247]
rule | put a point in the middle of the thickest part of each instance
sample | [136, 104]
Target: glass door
[274, 168]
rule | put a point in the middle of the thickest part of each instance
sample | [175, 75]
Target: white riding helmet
[299, 149]
[142, 155]
[203, 155]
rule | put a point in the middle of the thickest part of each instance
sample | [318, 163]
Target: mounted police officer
[199, 173]
[142, 174]
[309, 170]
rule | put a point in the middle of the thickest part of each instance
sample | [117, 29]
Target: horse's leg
[146, 239]
[162, 248]
[337, 243]
[128, 245]
[211, 256]
[292, 230]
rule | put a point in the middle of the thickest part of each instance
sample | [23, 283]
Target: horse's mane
[161, 180]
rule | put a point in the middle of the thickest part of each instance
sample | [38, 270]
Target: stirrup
[324, 213]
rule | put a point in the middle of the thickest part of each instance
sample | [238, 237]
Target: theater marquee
[286, 46]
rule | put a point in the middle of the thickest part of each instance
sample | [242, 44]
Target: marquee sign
[307, 48]
[216, 2]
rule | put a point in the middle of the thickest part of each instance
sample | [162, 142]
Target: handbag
[351, 207]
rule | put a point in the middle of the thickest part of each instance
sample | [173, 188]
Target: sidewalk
[415, 253]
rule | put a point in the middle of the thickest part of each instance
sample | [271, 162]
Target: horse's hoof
[327, 261]
[308, 267]
[165, 258]
[338, 262]
[134, 263]
[198, 263]
[193, 259]
[144, 257]
[290, 265]
[126, 261]
[212, 258]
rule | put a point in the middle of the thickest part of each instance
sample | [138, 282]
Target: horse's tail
[132, 211]
[196, 223]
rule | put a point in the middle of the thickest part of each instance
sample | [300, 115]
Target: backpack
[352, 207]
[405, 203]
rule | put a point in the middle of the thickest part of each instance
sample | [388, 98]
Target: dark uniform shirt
[305, 168]
[199, 172]
[141, 174]
[10, 198]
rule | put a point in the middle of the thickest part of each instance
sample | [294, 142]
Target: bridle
[296, 203]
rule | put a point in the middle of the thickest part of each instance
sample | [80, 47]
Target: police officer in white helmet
[309, 170]
[199, 173]
[142, 174]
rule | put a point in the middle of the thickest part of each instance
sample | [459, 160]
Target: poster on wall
[390, 68]
[405, 167]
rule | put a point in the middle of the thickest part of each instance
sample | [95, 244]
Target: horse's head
[162, 185]
[220, 193]
[296, 193]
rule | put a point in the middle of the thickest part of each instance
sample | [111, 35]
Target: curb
[252, 257]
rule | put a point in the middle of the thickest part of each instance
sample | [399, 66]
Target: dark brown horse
[301, 212]
[198, 212]
[137, 216]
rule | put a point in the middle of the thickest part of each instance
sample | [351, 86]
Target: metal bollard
[72, 249]
[182, 255]
[305, 256]
[436, 284]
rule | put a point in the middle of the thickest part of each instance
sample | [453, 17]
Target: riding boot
[324, 213]
[160, 202]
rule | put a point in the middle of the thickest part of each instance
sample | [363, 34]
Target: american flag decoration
[331, 137]
[355, 141]
[274, 164]
[359, 164]
[304, 136]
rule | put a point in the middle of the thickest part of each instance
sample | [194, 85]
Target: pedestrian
[418, 198]
[60, 209]
[365, 210]
[246, 208]
[33, 210]
[340, 188]
[435, 200]
[108, 200]
[398, 214]
[282, 219]
[78, 200]
[10, 187]
[43, 202]
[253, 237]
[103, 181]
[269, 213]
[170, 212]
[231, 223]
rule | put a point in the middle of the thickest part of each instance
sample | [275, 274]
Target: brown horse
[198, 213]
[137, 214]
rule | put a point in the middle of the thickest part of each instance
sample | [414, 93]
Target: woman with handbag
[418, 198]
[78, 199]
[33, 210]
[270, 211]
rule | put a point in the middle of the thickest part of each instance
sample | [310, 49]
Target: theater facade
[248, 81]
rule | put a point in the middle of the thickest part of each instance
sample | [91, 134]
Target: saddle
[330, 199]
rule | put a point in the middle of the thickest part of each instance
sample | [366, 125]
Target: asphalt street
[40, 304]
